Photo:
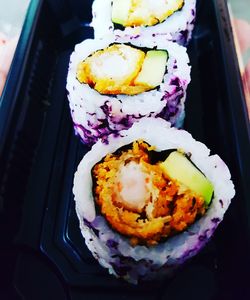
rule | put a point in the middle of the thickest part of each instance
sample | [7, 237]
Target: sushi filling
[129, 13]
[122, 69]
[140, 200]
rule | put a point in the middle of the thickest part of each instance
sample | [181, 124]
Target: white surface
[12, 14]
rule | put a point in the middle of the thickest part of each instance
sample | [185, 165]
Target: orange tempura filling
[113, 70]
[139, 201]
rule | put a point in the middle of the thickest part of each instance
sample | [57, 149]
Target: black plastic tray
[43, 255]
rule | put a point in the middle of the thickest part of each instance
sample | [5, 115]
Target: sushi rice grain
[177, 28]
[95, 115]
[114, 251]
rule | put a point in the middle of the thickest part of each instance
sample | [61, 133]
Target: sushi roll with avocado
[150, 199]
[112, 85]
[171, 19]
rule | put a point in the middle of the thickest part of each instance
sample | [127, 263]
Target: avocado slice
[179, 168]
[120, 11]
[153, 68]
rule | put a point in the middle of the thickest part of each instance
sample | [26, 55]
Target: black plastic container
[43, 255]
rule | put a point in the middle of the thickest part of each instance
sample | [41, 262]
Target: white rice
[177, 28]
[95, 115]
[114, 251]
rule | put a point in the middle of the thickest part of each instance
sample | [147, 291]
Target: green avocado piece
[179, 168]
[153, 68]
[120, 11]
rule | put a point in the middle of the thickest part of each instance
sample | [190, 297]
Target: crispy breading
[113, 70]
[150, 12]
[171, 208]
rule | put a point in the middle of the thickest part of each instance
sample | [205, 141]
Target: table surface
[240, 15]
[12, 14]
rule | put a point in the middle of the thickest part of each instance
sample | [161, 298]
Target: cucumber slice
[153, 69]
[179, 168]
[120, 11]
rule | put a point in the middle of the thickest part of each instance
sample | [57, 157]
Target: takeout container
[43, 253]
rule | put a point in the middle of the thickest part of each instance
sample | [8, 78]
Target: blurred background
[12, 15]
[240, 17]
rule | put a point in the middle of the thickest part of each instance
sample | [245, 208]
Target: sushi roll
[171, 19]
[112, 85]
[149, 199]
